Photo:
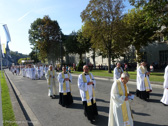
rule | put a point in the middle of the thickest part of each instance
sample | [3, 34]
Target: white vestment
[116, 101]
[45, 70]
[51, 81]
[41, 68]
[17, 71]
[140, 80]
[164, 99]
[12, 70]
[61, 82]
[38, 71]
[117, 73]
[23, 72]
[83, 87]
[33, 73]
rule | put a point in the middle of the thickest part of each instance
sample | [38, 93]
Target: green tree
[141, 30]
[34, 56]
[45, 35]
[77, 44]
[156, 9]
[102, 23]
[16, 56]
[20, 60]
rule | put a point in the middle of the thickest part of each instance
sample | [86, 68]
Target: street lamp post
[61, 50]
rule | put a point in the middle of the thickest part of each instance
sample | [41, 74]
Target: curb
[33, 119]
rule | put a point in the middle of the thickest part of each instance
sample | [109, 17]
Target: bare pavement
[41, 110]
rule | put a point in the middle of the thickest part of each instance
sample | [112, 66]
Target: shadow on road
[77, 98]
[97, 99]
[154, 94]
[142, 114]
[145, 124]
[154, 101]
[103, 109]
[101, 120]
[101, 100]
[76, 106]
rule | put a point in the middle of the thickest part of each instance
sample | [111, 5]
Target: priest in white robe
[51, 81]
[38, 71]
[164, 99]
[13, 70]
[120, 111]
[24, 71]
[65, 81]
[117, 72]
[33, 73]
[86, 85]
[143, 84]
[42, 71]
[46, 69]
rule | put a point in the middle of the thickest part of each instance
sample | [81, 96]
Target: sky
[19, 14]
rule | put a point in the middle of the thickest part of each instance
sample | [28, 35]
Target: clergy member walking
[120, 111]
[51, 81]
[143, 83]
[86, 85]
[117, 72]
[65, 96]
[164, 99]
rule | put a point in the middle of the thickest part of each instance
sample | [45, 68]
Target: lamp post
[61, 50]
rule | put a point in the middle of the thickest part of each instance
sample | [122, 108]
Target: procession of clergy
[120, 113]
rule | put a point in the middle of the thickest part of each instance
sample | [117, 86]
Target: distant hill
[16, 56]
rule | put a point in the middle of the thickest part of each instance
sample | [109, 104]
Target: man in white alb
[33, 73]
[143, 84]
[65, 80]
[120, 112]
[117, 72]
[164, 99]
[51, 81]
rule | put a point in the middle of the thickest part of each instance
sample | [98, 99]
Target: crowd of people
[120, 113]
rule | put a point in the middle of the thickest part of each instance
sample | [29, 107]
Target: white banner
[8, 38]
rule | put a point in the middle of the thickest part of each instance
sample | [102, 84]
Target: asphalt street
[50, 113]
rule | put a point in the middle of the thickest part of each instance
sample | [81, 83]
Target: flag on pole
[8, 38]
[3, 49]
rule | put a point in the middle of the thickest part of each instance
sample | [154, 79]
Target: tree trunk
[109, 61]
[80, 57]
[94, 62]
[137, 58]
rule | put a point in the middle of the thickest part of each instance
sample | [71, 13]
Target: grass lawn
[7, 110]
[154, 76]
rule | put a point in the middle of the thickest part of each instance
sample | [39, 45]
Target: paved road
[50, 113]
